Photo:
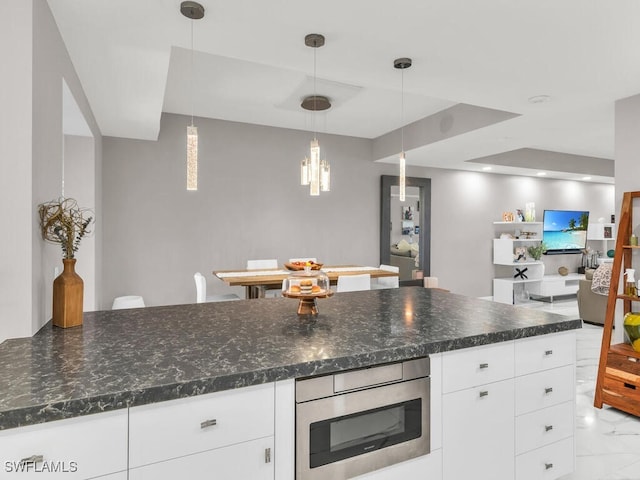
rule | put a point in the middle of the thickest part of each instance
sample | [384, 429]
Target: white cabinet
[510, 276]
[478, 405]
[229, 431]
[601, 237]
[545, 406]
[248, 460]
[477, 432]
[77, 448]
[519, 423]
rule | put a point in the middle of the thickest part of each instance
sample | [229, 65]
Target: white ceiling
[251, 65]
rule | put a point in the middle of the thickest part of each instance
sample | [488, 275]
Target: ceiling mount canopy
[316, 103]
[402, 63]
[192, 10]
[313, 40]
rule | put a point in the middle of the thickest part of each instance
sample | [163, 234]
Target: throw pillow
[601, 279]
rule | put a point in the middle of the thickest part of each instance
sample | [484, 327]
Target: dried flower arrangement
[63, 222]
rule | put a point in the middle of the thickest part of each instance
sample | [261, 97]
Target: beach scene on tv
[565, 230]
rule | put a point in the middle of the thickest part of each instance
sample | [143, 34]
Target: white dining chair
[387, 282]
[201, 291]
[260, 265]
[304, 259]
[354, 283]
[127, 301]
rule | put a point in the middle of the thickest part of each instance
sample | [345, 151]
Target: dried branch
[63, 222]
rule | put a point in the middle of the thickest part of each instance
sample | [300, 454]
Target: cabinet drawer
[544, 352]
[546, 463]
[175, 428]
[476, 366]
[247, 460]
[544, 389]
[542, 427]
[76, 447]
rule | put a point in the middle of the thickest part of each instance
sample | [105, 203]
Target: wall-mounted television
[565, 231]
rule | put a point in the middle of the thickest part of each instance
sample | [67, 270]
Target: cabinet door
[73, 449]
[251, 460]
[478, 432]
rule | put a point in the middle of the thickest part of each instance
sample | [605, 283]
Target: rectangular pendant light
[325, 176]
[314, 169]
[403, 178]
[304, 171]
[192, 158]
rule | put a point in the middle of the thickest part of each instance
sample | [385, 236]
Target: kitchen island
[123, 359]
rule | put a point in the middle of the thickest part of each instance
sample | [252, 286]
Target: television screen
[565, 231]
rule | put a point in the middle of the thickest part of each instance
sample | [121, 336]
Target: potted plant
[536, 251]
[63, 222]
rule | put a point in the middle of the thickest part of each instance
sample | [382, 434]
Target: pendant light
[315, 172]
[194, 11]
[402, 64]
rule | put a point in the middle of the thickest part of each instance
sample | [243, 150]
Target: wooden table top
[262, 276]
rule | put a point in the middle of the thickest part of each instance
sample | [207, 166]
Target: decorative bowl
[632, 329]
[298, 266]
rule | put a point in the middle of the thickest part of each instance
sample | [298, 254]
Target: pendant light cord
[191, 89]
[315, 97]
[402, 110]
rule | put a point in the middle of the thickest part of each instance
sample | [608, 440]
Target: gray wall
[35, 61]
[249, 205]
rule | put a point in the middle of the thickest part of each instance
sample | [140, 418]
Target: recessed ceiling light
[541, 174]
[586, 178]
[539, 99]
[486, 169]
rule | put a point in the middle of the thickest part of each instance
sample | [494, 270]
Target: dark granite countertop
[133, 357]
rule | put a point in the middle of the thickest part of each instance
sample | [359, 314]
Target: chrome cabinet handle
[208, 423]
[548, 390]
[548, 352]
[484, 393]
[484, 365]
[32, 459]
[267, 455]
[548, 466]
[548, 428]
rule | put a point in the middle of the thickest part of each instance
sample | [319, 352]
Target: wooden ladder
[618, 381]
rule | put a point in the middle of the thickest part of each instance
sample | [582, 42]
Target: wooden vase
[68, 290]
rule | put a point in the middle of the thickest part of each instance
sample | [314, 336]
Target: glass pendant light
[315, 172]
[194, 11]
[402, 64]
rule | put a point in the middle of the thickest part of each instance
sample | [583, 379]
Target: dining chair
[127, 301]
[387, 282]
[201, 291]
[353, 283]
[304, 259]
[260, 265]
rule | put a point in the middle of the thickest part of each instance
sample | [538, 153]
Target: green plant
[63, 222]
[536, 251]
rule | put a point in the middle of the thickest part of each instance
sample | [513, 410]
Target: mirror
[405, 228]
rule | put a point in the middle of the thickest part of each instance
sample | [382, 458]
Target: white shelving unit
[506, 270]
[602, 238]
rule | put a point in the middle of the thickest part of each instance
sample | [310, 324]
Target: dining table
[256, 282]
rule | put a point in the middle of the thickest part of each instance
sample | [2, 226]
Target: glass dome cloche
[307, 285]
